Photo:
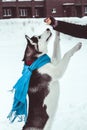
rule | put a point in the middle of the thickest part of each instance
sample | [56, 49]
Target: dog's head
[37, 44]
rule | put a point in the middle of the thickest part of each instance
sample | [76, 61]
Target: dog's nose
[47, 29]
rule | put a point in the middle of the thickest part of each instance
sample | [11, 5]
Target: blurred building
[42, 8]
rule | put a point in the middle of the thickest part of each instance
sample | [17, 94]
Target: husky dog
[44, 89]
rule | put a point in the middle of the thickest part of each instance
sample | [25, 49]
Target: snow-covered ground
[72, 109]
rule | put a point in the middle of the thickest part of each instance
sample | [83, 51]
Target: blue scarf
[19, 108]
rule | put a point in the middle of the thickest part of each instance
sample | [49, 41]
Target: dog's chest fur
[39, 86]
[38, 91]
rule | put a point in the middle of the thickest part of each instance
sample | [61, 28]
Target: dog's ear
[29, 41]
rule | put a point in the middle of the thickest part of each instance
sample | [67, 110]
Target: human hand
[50, 20]
[47, 20]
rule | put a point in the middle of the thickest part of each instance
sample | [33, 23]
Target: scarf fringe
[12, 116]
[19, 108]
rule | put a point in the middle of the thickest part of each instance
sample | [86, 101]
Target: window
[8, 0]
[24, 0]
[14, 0]
[86, 9]
[38, 0]
[53, 10]
[36, 12]
[7, 12]
[23, 12]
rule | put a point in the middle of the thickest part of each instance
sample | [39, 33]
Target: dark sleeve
[75, 30]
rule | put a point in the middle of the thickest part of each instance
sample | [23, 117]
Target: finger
[46, 19]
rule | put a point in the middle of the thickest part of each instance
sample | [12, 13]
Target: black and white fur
[44, 89]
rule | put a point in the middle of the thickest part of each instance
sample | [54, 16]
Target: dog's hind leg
[32, 128]
[49, 124]
[56, 56]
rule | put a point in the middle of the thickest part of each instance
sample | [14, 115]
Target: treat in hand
[50, 20]
[47, 20]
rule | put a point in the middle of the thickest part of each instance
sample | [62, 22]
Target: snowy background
[72, 109]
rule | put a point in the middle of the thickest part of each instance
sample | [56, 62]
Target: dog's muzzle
[49, 35]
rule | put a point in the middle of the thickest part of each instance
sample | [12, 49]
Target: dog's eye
[39, 37]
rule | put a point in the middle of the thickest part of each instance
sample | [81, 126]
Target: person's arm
[75, 30]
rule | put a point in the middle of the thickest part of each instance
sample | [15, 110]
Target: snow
[72, 109]
[68, 3]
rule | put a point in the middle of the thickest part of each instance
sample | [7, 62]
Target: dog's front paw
[78, 46]
[74, 49]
